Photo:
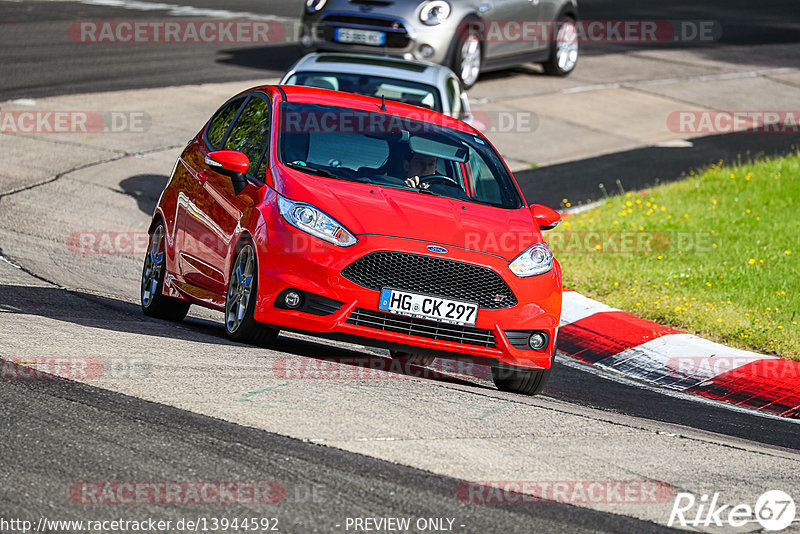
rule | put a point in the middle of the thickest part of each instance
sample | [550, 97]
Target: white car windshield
[408, 92]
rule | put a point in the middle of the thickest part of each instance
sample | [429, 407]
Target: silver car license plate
[366, 37]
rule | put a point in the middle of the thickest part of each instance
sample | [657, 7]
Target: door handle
[202, 177]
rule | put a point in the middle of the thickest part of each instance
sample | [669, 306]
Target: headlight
[316, 222]
[312, 6]
[537, 259]
[434, 12]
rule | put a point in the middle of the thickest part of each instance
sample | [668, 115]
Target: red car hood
[366, 209]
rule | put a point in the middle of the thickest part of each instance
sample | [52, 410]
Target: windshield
[416, 94]
[390, 151]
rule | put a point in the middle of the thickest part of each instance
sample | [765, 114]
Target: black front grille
[431, 276]
[319, 305]
[412, 326]
[387, 24]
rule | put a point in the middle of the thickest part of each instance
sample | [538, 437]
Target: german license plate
[366, 37]
[426, 307]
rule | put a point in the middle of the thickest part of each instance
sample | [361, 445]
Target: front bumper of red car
[337, 306]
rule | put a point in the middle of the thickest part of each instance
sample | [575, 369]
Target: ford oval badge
[438, 250]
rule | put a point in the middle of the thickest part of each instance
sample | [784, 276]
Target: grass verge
[715, 254]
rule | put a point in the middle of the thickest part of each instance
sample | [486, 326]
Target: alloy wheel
[153, 265]
[240, 288]
[567, 46]
[470, 66]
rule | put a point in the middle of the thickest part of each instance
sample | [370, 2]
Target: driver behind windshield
[416, 165]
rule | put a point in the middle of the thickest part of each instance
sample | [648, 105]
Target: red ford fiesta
[354, 217]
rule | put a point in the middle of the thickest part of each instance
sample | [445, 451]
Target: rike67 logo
[774, 510]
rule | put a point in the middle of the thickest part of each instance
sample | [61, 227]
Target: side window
[454, 97]
[486, 187]
[221, 121]
[251, 135]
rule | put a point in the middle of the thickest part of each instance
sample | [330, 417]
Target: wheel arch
[451, 51]
[169, 237]
[569, 9]
[241, 238]
[158, 217]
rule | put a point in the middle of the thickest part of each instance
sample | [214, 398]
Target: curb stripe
[770, 385]
[606, 334]
[679, 361]
[575, 307]
[595, 333]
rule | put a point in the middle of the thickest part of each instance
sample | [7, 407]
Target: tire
[519, 380]
[154, 302]
[467, 57]
[410, 358]
[565, 50]
[240, 300]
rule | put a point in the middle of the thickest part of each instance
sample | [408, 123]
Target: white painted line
[674, 143]
[575, 307]
[10, 262]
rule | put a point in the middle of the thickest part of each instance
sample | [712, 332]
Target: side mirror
[546, 218]
[231, 163]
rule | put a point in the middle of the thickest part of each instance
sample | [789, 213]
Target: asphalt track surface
[147, 441]
[37, 58]
[55, 432]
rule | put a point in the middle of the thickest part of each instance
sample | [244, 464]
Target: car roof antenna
[383, 102]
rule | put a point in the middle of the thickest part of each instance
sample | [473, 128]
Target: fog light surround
[426, 51]
[538, 340]
[293, 299]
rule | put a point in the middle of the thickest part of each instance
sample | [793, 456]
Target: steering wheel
[439, 179]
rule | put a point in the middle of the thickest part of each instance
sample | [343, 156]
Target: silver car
[469, 36]
[421, 84]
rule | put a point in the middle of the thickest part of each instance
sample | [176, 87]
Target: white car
[426, 85]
